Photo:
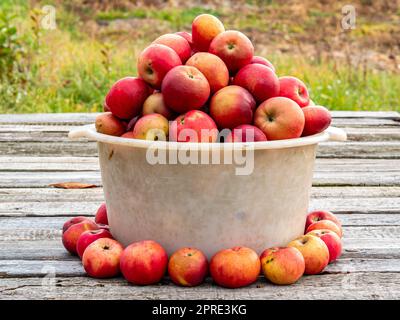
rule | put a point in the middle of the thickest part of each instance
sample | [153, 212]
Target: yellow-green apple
[101, 258]
[151, 127]
[234, 48]
[128, 135]
[332, 241]
[107, 123]
[177, 43]
[246, 133]
[282, 265]
[144, 262]
[295, 89]
[193, 126]
[205, 28]
[126, 97]
[185, 88]
[232, 106]
[188, 267]
[71, 235]
[317, 119]
[314, 251]
[236, 267]
[187, 36]
[319, 215]
[259, 80]
[86, 238]
[155, 104]
[73, 221]
[154, 63]
[101, 214]
[279, 118]
[325, 224]
[212, 67]
[261, 60]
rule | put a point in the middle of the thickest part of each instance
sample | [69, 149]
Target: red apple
[151, 127]
[235, 268]
[194, 126]
[177, 43]
[331, 240]
[101, 215]
[234, 48]
[212, 67]
[246, 133]
[107, 123]
[259, 80]
[144, 262]
[325, 224]
[73, 221]
[102, 257]
[282, 265]
[185, 88]
[126, 97]
[154, 63]
[314, 251]
[155, 104]
[279, 118]
[187, 36]
[188, 267]
[71, 235]
[232, 106]
[86, 238]
[128, 135]
[319, 215]
[265, 62]
[205, 28]
[295, 89]
[317, 119]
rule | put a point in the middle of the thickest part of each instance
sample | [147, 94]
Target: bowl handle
[336, 134]
[80, 132]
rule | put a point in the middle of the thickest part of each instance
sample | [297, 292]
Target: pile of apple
[146, 262]
[205, 82]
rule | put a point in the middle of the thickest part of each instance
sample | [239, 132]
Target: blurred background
[62, 56]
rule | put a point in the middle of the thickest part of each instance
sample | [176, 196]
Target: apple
[317, 119]
[234, 48]
[331, 240]
[151, 127]
[101, 214]
[232, 106]
[212, 67]
[295, 89]
[71, 235]
[144, 262]
[315, 216]
[314, 251]
[246, 133]
[155, 104]
[126, 97]
[187, 36]
[128, 135]
[261, 81]
[154, 63]
[185, 88]
[282, 265]
[73, 221]
[205, 28]
[236, 267]
[87, 237]
[325, 224]
[101, 258]
[194, 126]
[107, 123]
[279, 118]
[177, 43]
[188, 267]
[261, 60]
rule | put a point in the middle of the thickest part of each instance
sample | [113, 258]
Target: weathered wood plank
[371, 285]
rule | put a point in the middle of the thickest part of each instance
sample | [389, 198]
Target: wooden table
[358, 180]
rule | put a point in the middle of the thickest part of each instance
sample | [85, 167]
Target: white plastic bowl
[207, 206]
